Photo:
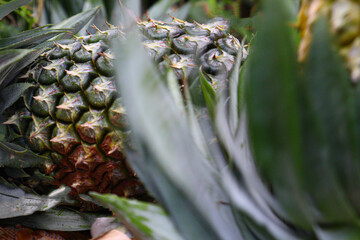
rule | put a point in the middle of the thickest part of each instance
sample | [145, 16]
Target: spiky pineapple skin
[73, 113]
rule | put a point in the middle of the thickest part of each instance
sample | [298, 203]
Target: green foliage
[12, 155]
[14, 17]
[148, 219]
[7, 7]
[170, 161]
[281, 157]
[15, 202]
[56, 219]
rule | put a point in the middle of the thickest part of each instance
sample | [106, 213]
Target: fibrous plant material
[73, 114]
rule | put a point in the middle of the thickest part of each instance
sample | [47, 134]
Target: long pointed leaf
[15, 202]
[11, 6]
[11, 94]
[76, 23]
[56, 219]
[185, 183]
[330, 139]
[150, 219]
[273, 110]
[8, 60]
[27, 38]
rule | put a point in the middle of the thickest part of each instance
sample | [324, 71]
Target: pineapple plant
[278, 159]
[71, 114]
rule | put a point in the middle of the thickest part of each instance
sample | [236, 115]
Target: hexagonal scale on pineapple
[215, 29]
[89, 52]
[160, 31]
[62, 50]
[157, 49]
[20, 120]
[45, 99]
[117, 115]
[53, 70]
[39, 133]
[64, 138]
[104, 63]
[113, 144]
[70, 107]
[217, 62]
[230, 45]
[92, 126]
[101, 92]
[183, 66]
[78, 77]
[187, 44]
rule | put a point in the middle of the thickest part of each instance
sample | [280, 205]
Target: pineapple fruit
[73, 114]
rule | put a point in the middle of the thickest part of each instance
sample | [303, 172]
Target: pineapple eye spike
[110, 26]
[97, 29]
[147, 16]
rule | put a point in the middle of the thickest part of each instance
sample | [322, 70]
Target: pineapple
[73, 115]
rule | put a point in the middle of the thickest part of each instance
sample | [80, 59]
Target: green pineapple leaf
[28, 38]
[75, 23]
[159, 8]
[14, 202]
[236, 90]
[209, 94]
[330, 135]
[8, 60]
[178, 173]
[150, 219]
[56, 219]
[12, 155]
[11, 93]
[347, 232]
[11, 6]
[273, 111]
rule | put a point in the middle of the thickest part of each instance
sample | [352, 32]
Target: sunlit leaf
[149, 219]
